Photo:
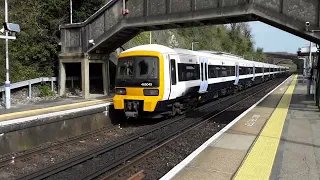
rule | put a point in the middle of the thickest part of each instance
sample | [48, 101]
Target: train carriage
[158, 80]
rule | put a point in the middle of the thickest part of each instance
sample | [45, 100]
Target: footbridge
[280, 57]
[120, 20]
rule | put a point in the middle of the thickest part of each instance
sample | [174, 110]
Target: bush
[45, 91]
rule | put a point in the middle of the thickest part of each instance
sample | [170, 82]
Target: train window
[188, 72]
[212, 71]
[125, 68]
[241, 70]
[173, 72]
[146, 67]
[257, 70]
[217, 71]
[230, 70]
[223, 71]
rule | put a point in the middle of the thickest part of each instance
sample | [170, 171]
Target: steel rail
[53, 169]
[175, 135]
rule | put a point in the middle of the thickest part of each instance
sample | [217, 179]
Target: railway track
[25, 155]
[111, 155]
[154, 163]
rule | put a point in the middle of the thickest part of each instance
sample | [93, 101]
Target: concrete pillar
[106, 76]
[318, 83]
[85, 78]
[62, 78]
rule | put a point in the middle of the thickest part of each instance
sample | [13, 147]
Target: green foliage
[45, 91]
[35, 51]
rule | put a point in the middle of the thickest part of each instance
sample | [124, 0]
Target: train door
[203, 75]
[236, 81]
[173, 76]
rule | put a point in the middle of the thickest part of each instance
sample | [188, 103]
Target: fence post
[51, 84]
[30, 89]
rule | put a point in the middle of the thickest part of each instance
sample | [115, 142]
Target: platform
[24, 116]
[277, 138]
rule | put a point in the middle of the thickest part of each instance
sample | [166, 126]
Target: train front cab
[139, 82]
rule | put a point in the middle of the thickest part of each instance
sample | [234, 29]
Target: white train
[155, 79]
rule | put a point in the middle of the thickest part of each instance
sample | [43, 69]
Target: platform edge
[175, 170]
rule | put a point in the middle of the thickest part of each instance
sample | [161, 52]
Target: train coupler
[132, 109]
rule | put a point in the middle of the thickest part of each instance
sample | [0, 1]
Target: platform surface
[278, 139]
[21, 111]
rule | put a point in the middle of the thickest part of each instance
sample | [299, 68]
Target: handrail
[93, 16]
[42, 79]
[28, 82]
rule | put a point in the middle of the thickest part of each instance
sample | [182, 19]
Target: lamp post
[70, 11]
[192, 44]
[150, 37]
[13, 28]
[7, 83]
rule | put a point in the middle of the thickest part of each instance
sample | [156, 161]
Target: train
[154, 80]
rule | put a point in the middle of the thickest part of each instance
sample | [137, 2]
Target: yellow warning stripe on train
[259, 161]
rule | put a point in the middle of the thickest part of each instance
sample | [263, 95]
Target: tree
[34, 52]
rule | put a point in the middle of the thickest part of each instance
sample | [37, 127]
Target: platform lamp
[192, 44]
[12, 29]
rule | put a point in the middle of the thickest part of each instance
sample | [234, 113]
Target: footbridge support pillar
[72, 62]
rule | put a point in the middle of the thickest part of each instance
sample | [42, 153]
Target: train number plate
[146, 84]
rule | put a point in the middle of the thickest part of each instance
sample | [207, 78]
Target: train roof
[164, 49]
[151, 47]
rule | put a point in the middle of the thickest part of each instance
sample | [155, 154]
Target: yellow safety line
[258, 163]
[53, 108]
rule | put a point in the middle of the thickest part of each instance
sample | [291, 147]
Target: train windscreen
[133, 71]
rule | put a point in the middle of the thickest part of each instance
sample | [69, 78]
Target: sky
[272, 39]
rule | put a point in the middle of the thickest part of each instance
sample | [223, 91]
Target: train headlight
[151, 92]
[121, 91]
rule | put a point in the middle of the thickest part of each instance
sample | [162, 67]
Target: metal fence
[41, 80]
[29, 83]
